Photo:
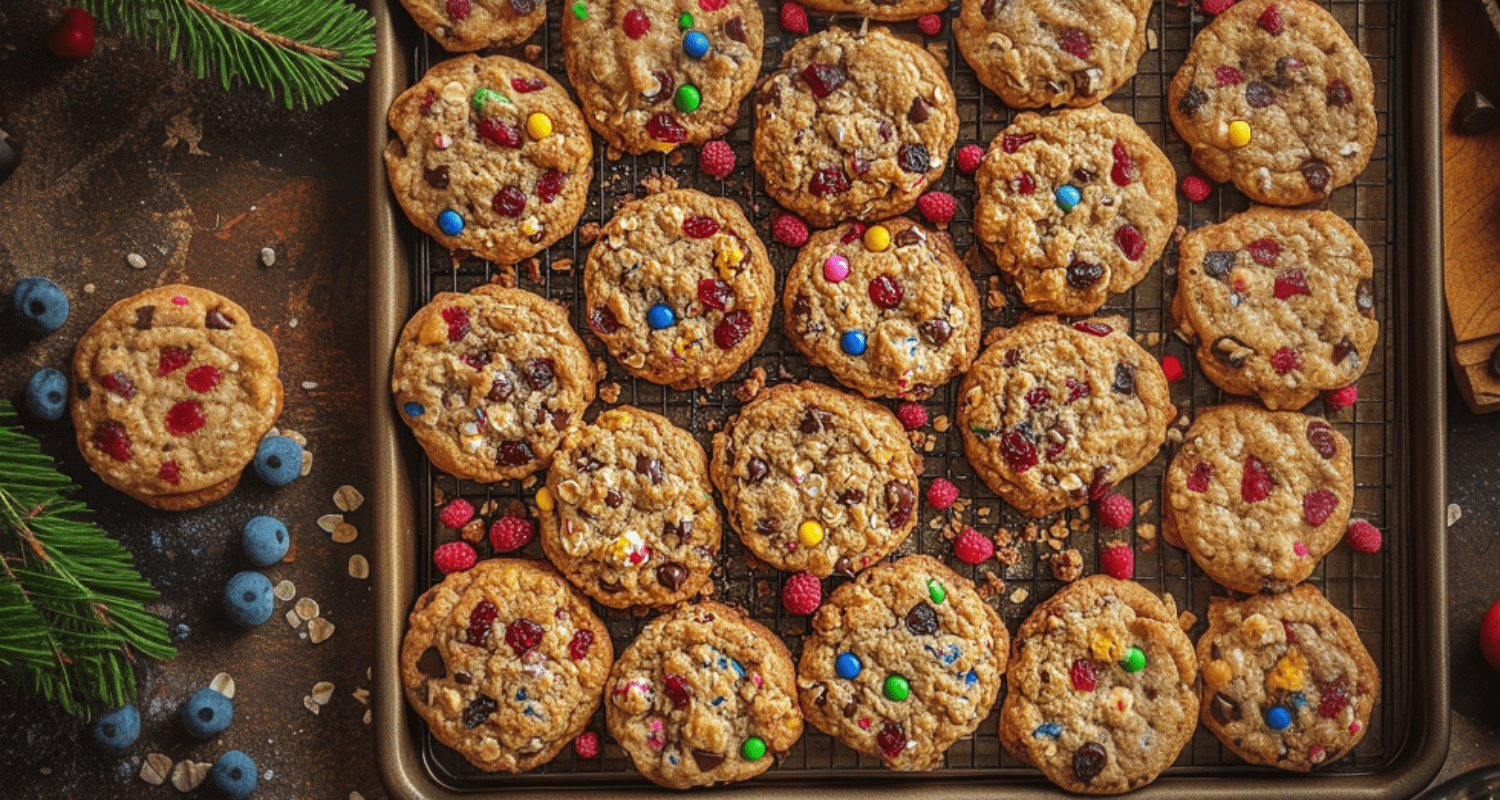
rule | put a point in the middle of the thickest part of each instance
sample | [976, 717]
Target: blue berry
[118, 729]
[207, 714]
[450, 223]
[47, 394]
[233, 775]
[1278, 719]
[848, 666]
[695, 44]
[1068, 197]
[278, 460]
[853, 343]
[266, 541]
[660, 317]
[40, 305]
[248, 599]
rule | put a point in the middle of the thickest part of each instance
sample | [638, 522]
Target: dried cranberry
[476, 361]
[700, 227]
[117, 383]
[500, 390]
[1192, 101]
[854, 234]
[458, 322]
[715, 293]
[823, 79]
[1083, 675]
[1089, 760]
[1038, 397]
[886, 292]
[508, 202]
[550, 184]
[1018, 449]
[426, 107]
[1131, 243]
[891, 740]
[1256, 483]
[1012, 357]
[459, 10]
[478, 711]
[732, 329]
[185, 417]
[539, 373]
[1075, 42]
[1318, 505]
[1013, 141]
[522, 634]
[113, 440]
[1291, 283]
[1091, 327]
[500, 132]
[170, 472]
[1124, 379]
[172, 359]
[1259, 94]
[1316, 174]
[202, 379]
[1338, 94]
[828, 182]
[481, 619]
[514, 454]
[1228, 76]
[1320, 435]
[735, 29]
[1334, 700]
[663, 128]
[1285, 360]
[664, 85]
[1124, 170]
[1077, 389]
[1053, 451]
[1271, 20]
[525, 86]
[677, 689]
[1025, 184]
[1198, 481]
[859, 165]
[912, 157]
[1264, 251]
[603, 321]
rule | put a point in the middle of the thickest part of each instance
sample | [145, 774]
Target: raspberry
[1115, 511]
[456, 513]
[1118, 560]
[1318, 505]
[635, 23]
[1341, 398]
[969, 157]
[937, 207]
[716, 159]
[1173, 368]
[973, 547]
[454, 557]
[793, 18]
[510, 533]
[941, 493]
[1083, 675]
[1196, 188]
[1271, 20]
[1255, 484]
[587, 745]
[912, 416]
[931, 24]
[802, 594]
[789, 229]
[1364, 537]
[1217, 6]
[1285, 360]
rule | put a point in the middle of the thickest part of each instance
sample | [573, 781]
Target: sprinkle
[972, 677]
[877, 238]
[685, 21]
[179, 300]
[539, 126]
[864, 723]
[836, 268]
[737, 668]
[1239, 133]
[718, 701]
[482, 97]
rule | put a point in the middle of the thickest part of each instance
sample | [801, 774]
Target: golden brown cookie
[882, 10]
[462, 26]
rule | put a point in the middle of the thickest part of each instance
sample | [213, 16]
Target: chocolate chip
[1083, 82]
[611, 587]
[478, 711]
[937, 332]
[771, 94]
[909, 236]
[671, 575]
[431, 663]
[143, 317]
[613, 498]
[920, 110]
[1192, 101]
[1012, 357]
[83, 390]
[816, 420]
[1475, 113]
[650, 467]
[1320, 435]
[463, 678]
[218, 320]
[1224, 708]
[514, 454]
[849, 497]
[844, 566]
[922, 620]
[1124, 379]
[1218, 263]
[901, 500]
[436, 178]
[665, 84]
[560, 420]
[850, 708]
[801, 306]
[1364, 298]
[756, 469]
[707, 762]
[1085, 175]
[1317, 174]
[587, 464]
[1089, 761]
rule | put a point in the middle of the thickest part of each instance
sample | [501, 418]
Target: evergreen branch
[303, 51]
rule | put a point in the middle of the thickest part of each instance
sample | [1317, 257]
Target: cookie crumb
[473, 530]
[533, 269]
[1187, 620]
[562, 265]
[1148, 546]
[1454, 513]
[656, 182]
[1146, 531]
[528, 481]
[992, 586]
[918, 438]
[613, 153]
[747, 391]
[1028, 534]
[1145, 506]
[763, 588]
[1151, 41]
[942, 423]
[1059, 529]
[1067, 566]
[505, 276]
[533, 52]
[675, 158]
[1019, 595]
[754, 563]
[995, 298]
[588, 232]
[1008, 555]
[610, 392]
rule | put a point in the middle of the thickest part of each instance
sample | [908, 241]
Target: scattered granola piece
[1067, 566]
[610, 393]
[348, 498]
[747, 391]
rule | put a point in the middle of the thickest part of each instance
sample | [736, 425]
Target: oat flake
[285, 590]
[359, 568]
[348, 498]
[319, 630]
[156, 769]
[330, 521]
[307, 608]
[223, 684]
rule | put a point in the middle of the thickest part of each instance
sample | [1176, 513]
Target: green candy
[753, 749]
[896, 688]
[685, 21]
[484, 96]
[688, 98]
[581, 10]
[1135, 660]
[936, 591]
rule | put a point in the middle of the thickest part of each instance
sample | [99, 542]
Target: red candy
[802, 594]
[663, 128]
[912, 416]
[587, 745]
[793, 18]
[789, 229]
[510, 533]
[1173, 368]
[716, 159]
[74, 35]
[941, 493]
[1196, 188]
[635, 23]
[1256, 484]
[700, 227]
[969, 157]
[501, 133]
[1489, 636]
[1363, 536]
[185, 417]
[1118, 562]
[1318, 505]
[937, 207]
[454, 557]
[459, 10]
[1083, 675]
[202, 379]
[1337, 399]
[456, 513]
[1115, 511]
[931, 24]
[973, 547]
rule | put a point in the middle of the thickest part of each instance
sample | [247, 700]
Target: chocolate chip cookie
[1102, 692]
[903, 661]
[704, 695]
[680, 288]
[652, 74]
[1258, 497]
[890, 310]
[629, 514]
[1274, 97]
[1280, 303]
[1074, 206]
[490, 157]
[462, 26]
[1286, 680]
[816, 480]
[172, 391]
[1054, 415]
[1037, 53]
[882, 10]
[853, 125]
[490, 381]
[505, 662]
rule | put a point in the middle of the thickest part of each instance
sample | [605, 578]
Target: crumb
[675, 158]
[984, 512]
[1153, 339]
[995, 298]
[473, 530]
[1083, 512]
[755, 564]
[1144, 507]
[528, 481]
[438, 495]
[783, 373]
[1187, 620]
[624, 201]
[1174, 436]
[1019, 595]
[941, 424]
[655, 183]
[1178, 233]
[1067, 566]
[1029, 534]
[1145, 530]
[489, 507]
[1008, 555]
[711, 425]
[1003, 537]
[533, 52]
[613, 153]
[939, 51]
[505, 276]
[974, 260]
[918, 438]
[1078, 525]
[533, 269]
[763, 588]
[935, 523]
[992, 586]
[1056, 544]
[588, 232]
[610, 393]
[1059, 529]
[747, 391]
[929, 445]
[515, 508]
[562, 265]
[1148, 546]
[1113, 543]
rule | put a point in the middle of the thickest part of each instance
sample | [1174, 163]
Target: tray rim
[1420, 417]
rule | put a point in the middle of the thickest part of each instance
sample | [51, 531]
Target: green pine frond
[72, 605]
[303, 51]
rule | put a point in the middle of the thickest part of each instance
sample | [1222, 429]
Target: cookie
[462, 26]
[816, 480]
[680, 288]
[629, 514]
[490, 157]
[1274, 97]
[1074, 206]
[1036, 53]
[1102, 687]
[880, 10]
[1054, 415]
[853, 125]
[653, 74]
[1286, 681]
[704, 695]
[1280, 303]
[1258, 497]
[172, 391]
[902, 662]
[892, 314]
[490, 381]
[505, 662]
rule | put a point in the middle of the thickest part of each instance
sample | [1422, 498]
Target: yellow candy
[539, 126]
[729, 255]
[614, 420]
[877, 238]
[1289, 672]
[434, 330]
[1217, 674]
[1239, 133]
[680, 348]
[544, 499]
[1106, 648]
[809, 533]
[531, 226]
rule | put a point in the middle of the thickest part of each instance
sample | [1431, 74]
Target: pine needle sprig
[302, 51]
[72, 605]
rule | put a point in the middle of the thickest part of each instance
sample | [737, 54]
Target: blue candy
[207, 714]
[233, 774]
[848, 666]
[1050, 730]
[118, 729]
[1278, 719]
[266, 541]
[695, 44]
[1067, 197]
[47, 394]
[248, 599]
[1298, 699]
[414, 409]
[450, 223]
[278, 460]
[853, 342]
[660, 316]
[40, 305]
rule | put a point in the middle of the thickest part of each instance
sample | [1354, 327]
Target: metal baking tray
[1394, 598]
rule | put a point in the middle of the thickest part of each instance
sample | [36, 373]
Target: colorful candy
[810, 533]
[450, 223]
[835, 268]
[1239, 133]
[695, 44]
[483, 96]
[544, 499]
[936, 591]
[1135, 660]
[581, 10]
[1278, 719]
[848, 666]
[660, 316]
[853, 342]
[1068, 197]
[685, 21]
[539, 125]
[688, 98]
[896, 688]
[877, 238]
[414, 409]
[753, 749]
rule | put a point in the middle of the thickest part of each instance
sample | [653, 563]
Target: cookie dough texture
[1053, 414]
[807, 453]
[628, 86]
[853, 125]
[1306, 92]
[1036, 53]
[880, 10]
[1281, 304]
[505, 662]
[698, 256]
[1069, 261]
[928, 336]
[633, 519]
[919, 620]
[1293, 651]
[1245, 489]
[490, 381]
[172, 391]
[462, 26]
[1072, 708]
[462, 145]
[693, 687]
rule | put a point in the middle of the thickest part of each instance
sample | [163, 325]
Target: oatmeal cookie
[462, 26]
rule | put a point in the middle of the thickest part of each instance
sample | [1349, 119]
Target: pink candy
[1300, 549]
[836, 268]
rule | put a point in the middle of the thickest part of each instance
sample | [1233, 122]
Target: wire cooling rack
[1358, 584]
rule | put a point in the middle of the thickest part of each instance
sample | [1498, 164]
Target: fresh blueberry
[118, 729]
[278, 460]
[248, 599]
[47, 394]
[233, 774]
[40, 305]
[266, 541]
[207, 714]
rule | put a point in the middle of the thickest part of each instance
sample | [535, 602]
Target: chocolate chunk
[1089, 761]
[1083, 81]
[650, 467]
[707, 762]
[560, 420]
[937, 332]
[850, 708]
[849, 497]
[844, 566]
[1218, 263]
[611, 587]
[920, 110]
[757, 469]
[436, 178]
[463, 678]
[478, 711]
[671, 575]
[1364, 298]
[1475, 113]
[587, 464]
[922, 620]
[909, 236]
[514, 454]
[1085, 175]
[218, 320]
[613, 498]
[143, 317]
[1192, 101]
[1224, 708]
[665, 84]
[770, 94]
[524, 7]
[1259, 94]
[431, 663]
[901, 500]
[83, 390]
[816, 420]
[1320, 436]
